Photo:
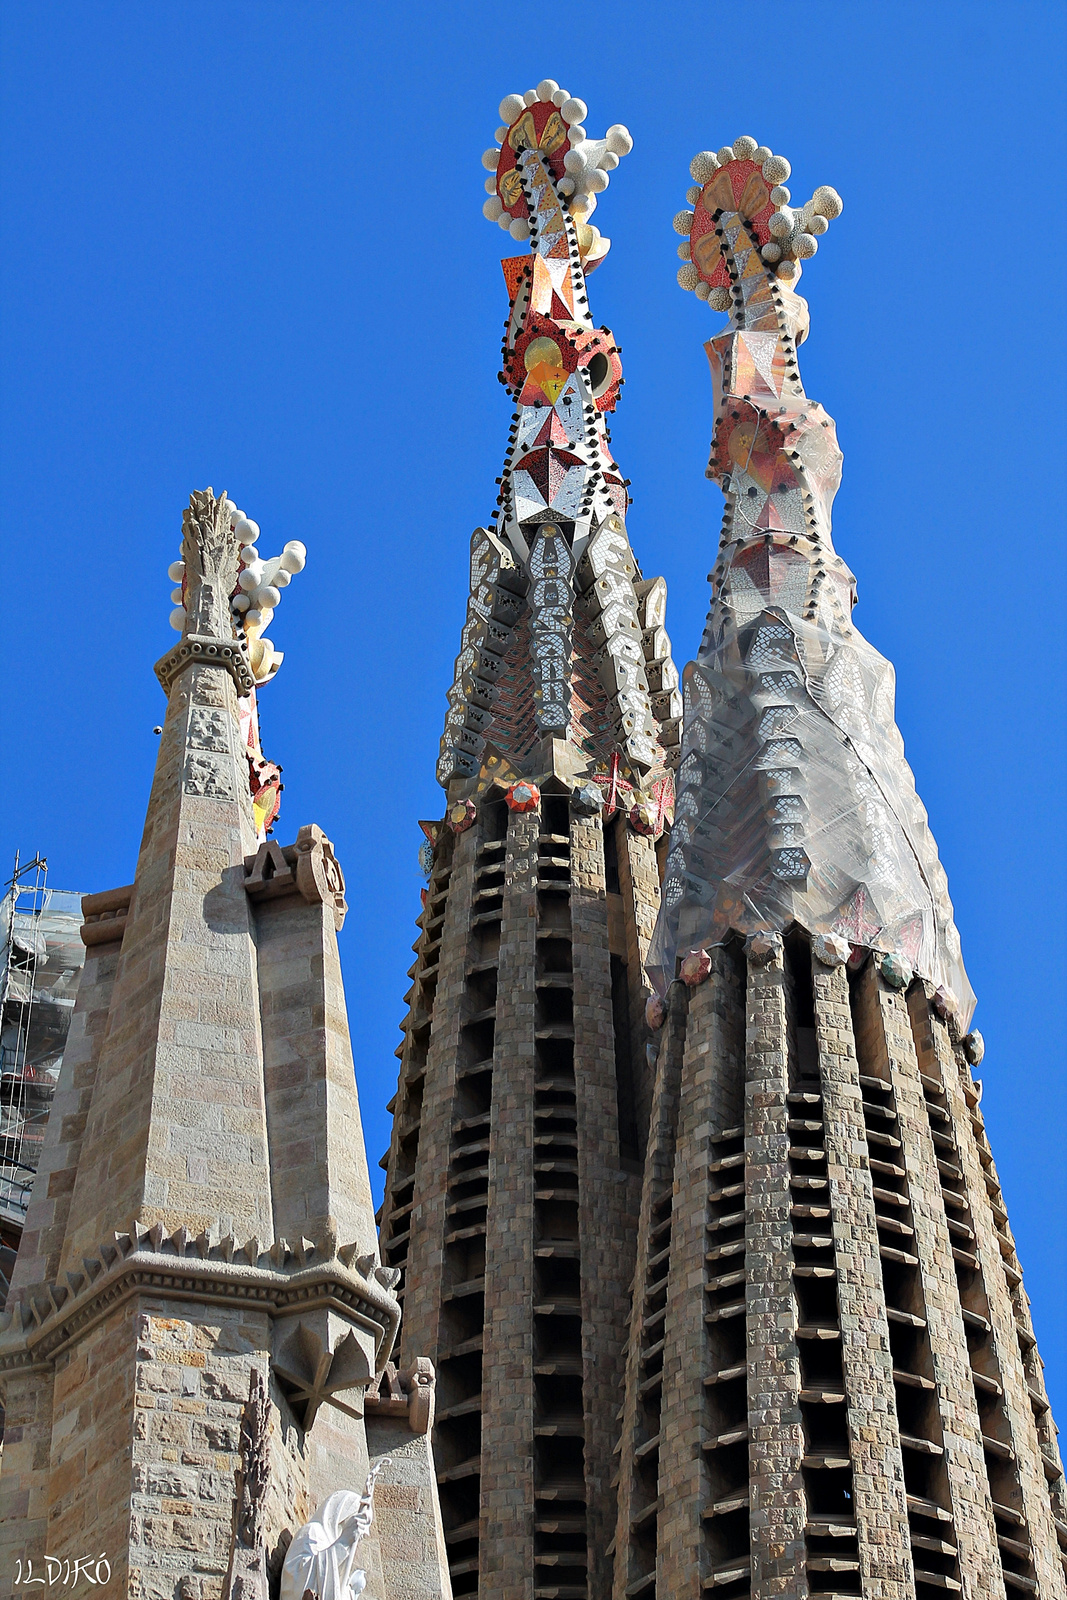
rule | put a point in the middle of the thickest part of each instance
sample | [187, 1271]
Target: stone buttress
[522, 1110]
[832, 1386]
[199, 1294]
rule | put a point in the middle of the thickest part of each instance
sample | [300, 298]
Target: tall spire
[202, 1226]
[795, 801]
[523, 1100]
[832, 1385]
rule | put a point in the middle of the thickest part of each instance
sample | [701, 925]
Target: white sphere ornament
[786, 270]
[771, 252]
[827, 202]
[176, 596]
[776, 169]
[566, 187]
[817, 224]
[725, 155]
[247, 580]
[806, 246]
[492, 208]
[702, 290]
[762, 154]
[693, 194]
[688, 276]
[520, 230]
[177, 618]
[560, 98]
[779, 195]
[530, 97]
[491, 160]
[176, 571]
[490, 186]
[745, 147]
[510, 107]
[267, 597]
[718, 297]
[597, 181]
[704, 165]
[546, 88]
[683, 223]
[618, 138]
[577, 135]
[294, 556]
[685, 251]
[241, 602]
[249, 553]
[247, 530]
[504, 221]
[573, 111]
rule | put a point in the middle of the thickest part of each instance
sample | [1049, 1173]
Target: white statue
[320, 1560]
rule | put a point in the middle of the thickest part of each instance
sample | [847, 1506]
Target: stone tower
[832, 1385]
[198, 1291]
[513, 1175]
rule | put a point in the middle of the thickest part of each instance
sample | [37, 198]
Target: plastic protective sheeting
[795, 801]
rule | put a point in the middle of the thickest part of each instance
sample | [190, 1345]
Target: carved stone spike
[93, 1268]
[180, 1239]
[76, 1281]
[226, 1247]
[203, 1243]
[211, 554]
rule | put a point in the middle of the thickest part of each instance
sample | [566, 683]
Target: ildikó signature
[94, 1569]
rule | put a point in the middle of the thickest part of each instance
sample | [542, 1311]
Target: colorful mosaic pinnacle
[564, 640]
[795, 801]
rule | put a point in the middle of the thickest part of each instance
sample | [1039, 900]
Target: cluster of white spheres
[794, 234]
[259, 582]
[586, 164]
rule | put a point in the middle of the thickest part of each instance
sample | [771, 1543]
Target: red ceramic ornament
[523, 796]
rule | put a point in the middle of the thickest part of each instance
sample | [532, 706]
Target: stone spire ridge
[564, 639]
[795, 802]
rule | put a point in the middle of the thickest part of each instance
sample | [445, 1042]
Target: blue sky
[243, 245]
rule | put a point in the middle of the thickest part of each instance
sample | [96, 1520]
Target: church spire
[564, 640]
[795, 801]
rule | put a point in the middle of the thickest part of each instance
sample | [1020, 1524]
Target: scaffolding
[41, 958]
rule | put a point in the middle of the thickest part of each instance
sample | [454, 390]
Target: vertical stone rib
[636, 1526]
[972, 1509]
[639, 881]
[507, 1469]
[711, 1101]
[683, 1480]
[933, 1038]
[422, 1293]
[877, 1466]
[776, 1448]
[606, 1195]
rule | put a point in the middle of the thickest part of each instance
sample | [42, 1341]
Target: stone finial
[211, 559]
